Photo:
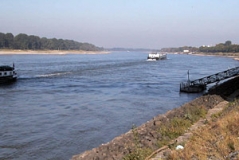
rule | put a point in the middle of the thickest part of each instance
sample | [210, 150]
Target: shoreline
[230, 55]
[57, 52]
[147, 135]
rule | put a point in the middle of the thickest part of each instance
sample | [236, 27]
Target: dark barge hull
[193, 89]
[7, 79]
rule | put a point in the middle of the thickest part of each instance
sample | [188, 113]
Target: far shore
[11, 52]
[231, 55]
[59, 52]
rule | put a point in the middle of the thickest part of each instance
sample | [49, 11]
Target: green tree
[21, 41]
[34, 42]
[2, 40]
[9, 40]
[228, 43]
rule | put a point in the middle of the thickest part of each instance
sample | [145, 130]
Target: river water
[62, 105]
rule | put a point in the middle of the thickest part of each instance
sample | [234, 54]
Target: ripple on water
[72, 103]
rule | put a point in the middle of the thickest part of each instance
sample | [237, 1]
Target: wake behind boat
[156, 56]
[7, 74]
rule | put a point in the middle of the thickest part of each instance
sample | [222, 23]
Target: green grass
[170, 130]
[178, 125]
[138, 152]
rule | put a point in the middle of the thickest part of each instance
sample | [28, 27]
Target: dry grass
[219, 139]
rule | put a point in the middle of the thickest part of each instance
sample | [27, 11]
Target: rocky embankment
[147, 135]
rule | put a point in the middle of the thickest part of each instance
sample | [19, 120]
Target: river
[62, 105]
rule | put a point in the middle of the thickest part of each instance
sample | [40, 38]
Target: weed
[177, 125]
[231, 145]
[138, 152]
[175, 128]
[169, 130]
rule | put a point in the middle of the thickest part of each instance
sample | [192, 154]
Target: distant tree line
[31, 42]
[180, 49]
[226, 47]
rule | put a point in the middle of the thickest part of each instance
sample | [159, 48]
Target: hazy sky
[125, 23]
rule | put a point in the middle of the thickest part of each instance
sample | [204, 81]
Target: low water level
[62, 105]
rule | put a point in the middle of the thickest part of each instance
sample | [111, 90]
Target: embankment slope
[147, 135]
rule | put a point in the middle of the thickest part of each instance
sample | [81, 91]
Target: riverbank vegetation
[32, 42]
[225, 48]
[168, 131]
[218, 139]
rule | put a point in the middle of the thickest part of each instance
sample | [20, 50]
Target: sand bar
[10, 52]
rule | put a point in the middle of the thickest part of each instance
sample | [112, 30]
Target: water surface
[62, 105]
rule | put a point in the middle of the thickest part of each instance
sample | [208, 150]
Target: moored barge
[7, 74]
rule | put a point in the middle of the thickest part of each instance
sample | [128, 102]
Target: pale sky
[125, 23]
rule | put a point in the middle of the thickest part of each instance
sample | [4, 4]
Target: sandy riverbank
[231, 55]
[10, 52]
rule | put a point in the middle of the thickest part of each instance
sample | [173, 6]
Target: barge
[156, 56]
[7, 74]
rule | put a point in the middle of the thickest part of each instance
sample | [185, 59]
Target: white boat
[156, 56]
[7, 74]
